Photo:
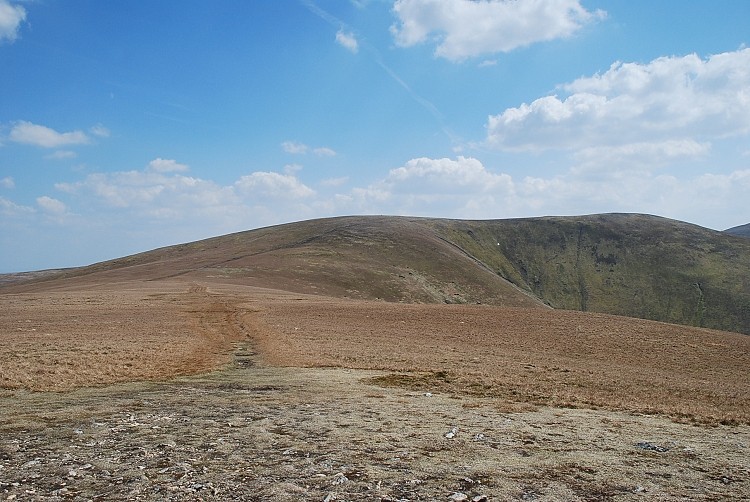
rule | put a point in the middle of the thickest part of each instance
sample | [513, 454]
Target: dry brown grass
[245, 427]
[557, 358]
[144, 331]
[62, 340]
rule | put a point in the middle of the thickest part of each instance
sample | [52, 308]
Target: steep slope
[741, 231]
[627, 264]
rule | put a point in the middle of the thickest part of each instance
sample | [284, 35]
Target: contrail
[423, 102]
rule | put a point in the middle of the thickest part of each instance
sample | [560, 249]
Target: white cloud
[294, 148]
[150, 192]
[51, 205]
[460, 187]
[139, 210]
[465, 28]
[292, 168]
[669, 99]
[274, 185]
[460, 175]
[100, 130]
[347, 40]
[324, 152]
[9, 208]
[61, 154]
[334, 182]
[160, 165]
[167, 194]
[11, 17]
[465, 188]
[7, 182]
[38, 135]
[646, 154]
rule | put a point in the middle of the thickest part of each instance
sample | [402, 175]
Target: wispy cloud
[100, 130]
[51, 205]
[11, 17]
[61, 155]
[294, 147]
[348, 41]
[39, 135]
[378, 58]
[324, 152]
[160, 165]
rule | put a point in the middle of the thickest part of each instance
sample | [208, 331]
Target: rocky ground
[260, 433]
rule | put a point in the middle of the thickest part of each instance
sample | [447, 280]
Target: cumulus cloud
[51, 205]
[160, 191]
[11, 17]
[669, 99]
[460, 175]
[465, 28]
[465, 188]
[160, 165]
[151, 193]
[460, 187]
[347, 40]
[39, 135]
[274, 185]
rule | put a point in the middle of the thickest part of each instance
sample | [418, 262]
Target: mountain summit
[626, 264]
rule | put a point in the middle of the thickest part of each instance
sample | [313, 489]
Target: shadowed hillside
[625, 264]
[742, 230]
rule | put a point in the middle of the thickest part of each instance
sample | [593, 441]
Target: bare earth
[185, 391]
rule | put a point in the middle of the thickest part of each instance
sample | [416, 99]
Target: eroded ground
[443, 403]
[312, 434]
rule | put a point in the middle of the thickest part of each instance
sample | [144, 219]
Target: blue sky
[126, 126]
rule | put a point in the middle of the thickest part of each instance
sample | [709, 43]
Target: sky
[127, 126]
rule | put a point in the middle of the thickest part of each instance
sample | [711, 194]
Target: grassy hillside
[387, 258]
[632, 265]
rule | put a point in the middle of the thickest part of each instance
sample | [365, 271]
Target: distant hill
[742, 230]
[627, 264]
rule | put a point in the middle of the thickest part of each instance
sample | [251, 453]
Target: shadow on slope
[626, 264]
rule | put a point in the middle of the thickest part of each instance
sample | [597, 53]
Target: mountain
[626, 264]
[742, 230]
